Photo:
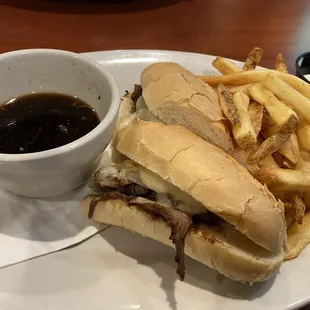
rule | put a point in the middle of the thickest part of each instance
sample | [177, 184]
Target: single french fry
[304, 161]
[299, 207]
[296, 202]
[298, 237]
[225, 66]
[280, 63]
[257, 76]
[239, 78]
[304, 164]
[239, 88]
[278, 157]
[284, 180]
[287, 164]
[267, 120]
[289, 95]
[307, 200]
[277, 110]
[268, 162]
[289, 216]
[228, 106]
[242, 155]
[244, 134]
[303, 135]
[268, 147]
[253, 59]
[290, 149]
[256, 112]
[275, 142]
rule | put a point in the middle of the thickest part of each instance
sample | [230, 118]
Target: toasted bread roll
[210, 176]
[219, 247]
[176, 96]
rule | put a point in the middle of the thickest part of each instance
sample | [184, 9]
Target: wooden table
[228, 28]
[220, 27]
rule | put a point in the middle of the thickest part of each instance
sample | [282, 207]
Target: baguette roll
[210, 176]
[177, 96]
[220, 247]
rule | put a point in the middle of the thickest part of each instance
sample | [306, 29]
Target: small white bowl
[56, 171]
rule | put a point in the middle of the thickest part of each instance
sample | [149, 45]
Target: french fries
[289, 217]
[284, 180]
[239, 78]
[279, 113]
[228, 106]
[287, 164]
[290, 149]
[280, 63]
[244, 134]
[296, 202]
[285, 92]
[299, 207]
[270, 115]
[298, 238]
[307, 201]
[275, 142]
[267, 120]
[268, 147]
[268, 162]
[304, 161]
[257, 76]
[264, 163]
[256, 112]
[225, 66]
[278, 157]
[253, 59]
[303, 134]
[239, 88]
[277, 110]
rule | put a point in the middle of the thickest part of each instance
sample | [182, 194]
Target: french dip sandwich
[173, 186]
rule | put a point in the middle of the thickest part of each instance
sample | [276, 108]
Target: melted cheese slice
[147, 178]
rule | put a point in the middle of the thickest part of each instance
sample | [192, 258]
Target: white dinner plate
[121, 270]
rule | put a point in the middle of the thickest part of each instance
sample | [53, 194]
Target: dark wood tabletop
[220, 27]
[229, 28]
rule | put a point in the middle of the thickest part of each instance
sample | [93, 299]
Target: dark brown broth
[40, 122]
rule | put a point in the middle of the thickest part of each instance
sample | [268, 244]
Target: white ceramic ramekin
[56, 171]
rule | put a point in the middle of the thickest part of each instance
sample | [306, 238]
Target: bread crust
[210, 176]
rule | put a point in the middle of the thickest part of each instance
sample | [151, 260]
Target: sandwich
[173, 186]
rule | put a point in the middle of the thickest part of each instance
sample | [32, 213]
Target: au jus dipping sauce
[43, 121]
